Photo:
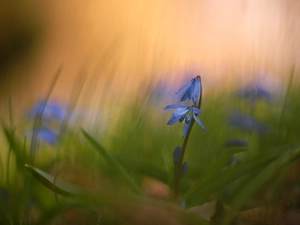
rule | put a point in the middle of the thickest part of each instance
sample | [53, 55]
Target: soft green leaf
[216, 168]
[112, 162]
[16, 147]
[56, 185]
[249, 188]
[217, 182]
[144, 168]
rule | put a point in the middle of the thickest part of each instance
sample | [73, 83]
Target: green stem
[180, 161]
[182, 151]
[38, 119]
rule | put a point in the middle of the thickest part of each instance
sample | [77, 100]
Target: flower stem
[178, 167]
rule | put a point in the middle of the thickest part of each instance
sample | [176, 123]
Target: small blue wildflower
[184, 114]
[52, 111]
[191, 90]
[254, 92]
[246, 122]
[46, 134]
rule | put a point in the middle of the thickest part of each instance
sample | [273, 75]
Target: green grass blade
[219, 181]
[216, 168]
[112, 162]
[58, 186]
[250, 188]
[16, 147]
[144, 168]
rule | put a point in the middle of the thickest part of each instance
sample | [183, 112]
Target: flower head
[191, 90]
[46, 134]
[247, 122]
[51, 111]
[184, 114]
[254, 92]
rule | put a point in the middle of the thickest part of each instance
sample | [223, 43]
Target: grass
[100, 177]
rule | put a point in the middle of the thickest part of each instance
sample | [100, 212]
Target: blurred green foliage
[99, 173]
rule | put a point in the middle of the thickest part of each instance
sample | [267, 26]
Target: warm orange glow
[119, 47]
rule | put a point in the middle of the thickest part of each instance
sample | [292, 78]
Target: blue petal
[51, 111]
[185, 129]
[174, 107]
[199, 122]
[180, 112]
[172, 120]
[47, 135]
[185, 94]
[196, 110]
[192, 88]
[196, 91]
[185, 86]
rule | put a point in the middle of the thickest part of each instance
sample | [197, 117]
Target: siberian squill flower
[246, 122]
[254, 92]
[184, 114]
[52, 114]
[191, 90]
[51, 111]
[44, 133]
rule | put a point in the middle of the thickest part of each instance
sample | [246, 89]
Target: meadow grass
[125, 175]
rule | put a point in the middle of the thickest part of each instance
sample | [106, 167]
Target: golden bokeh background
[111, 51]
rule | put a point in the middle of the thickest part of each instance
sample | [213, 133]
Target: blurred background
[114, 51]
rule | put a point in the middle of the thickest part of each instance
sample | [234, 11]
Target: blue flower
[191, 90]
[254, 92]
[246, 122]
[45, 134]
[52, 111]
[184, 114]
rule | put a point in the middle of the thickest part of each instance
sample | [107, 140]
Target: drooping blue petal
[196, 110]
[199, 122]
[185, 94]
[172, 120]
[191, 90]
[185, 86]
[185, 129]
[180, 111]
[174, 107]
[196, 92]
